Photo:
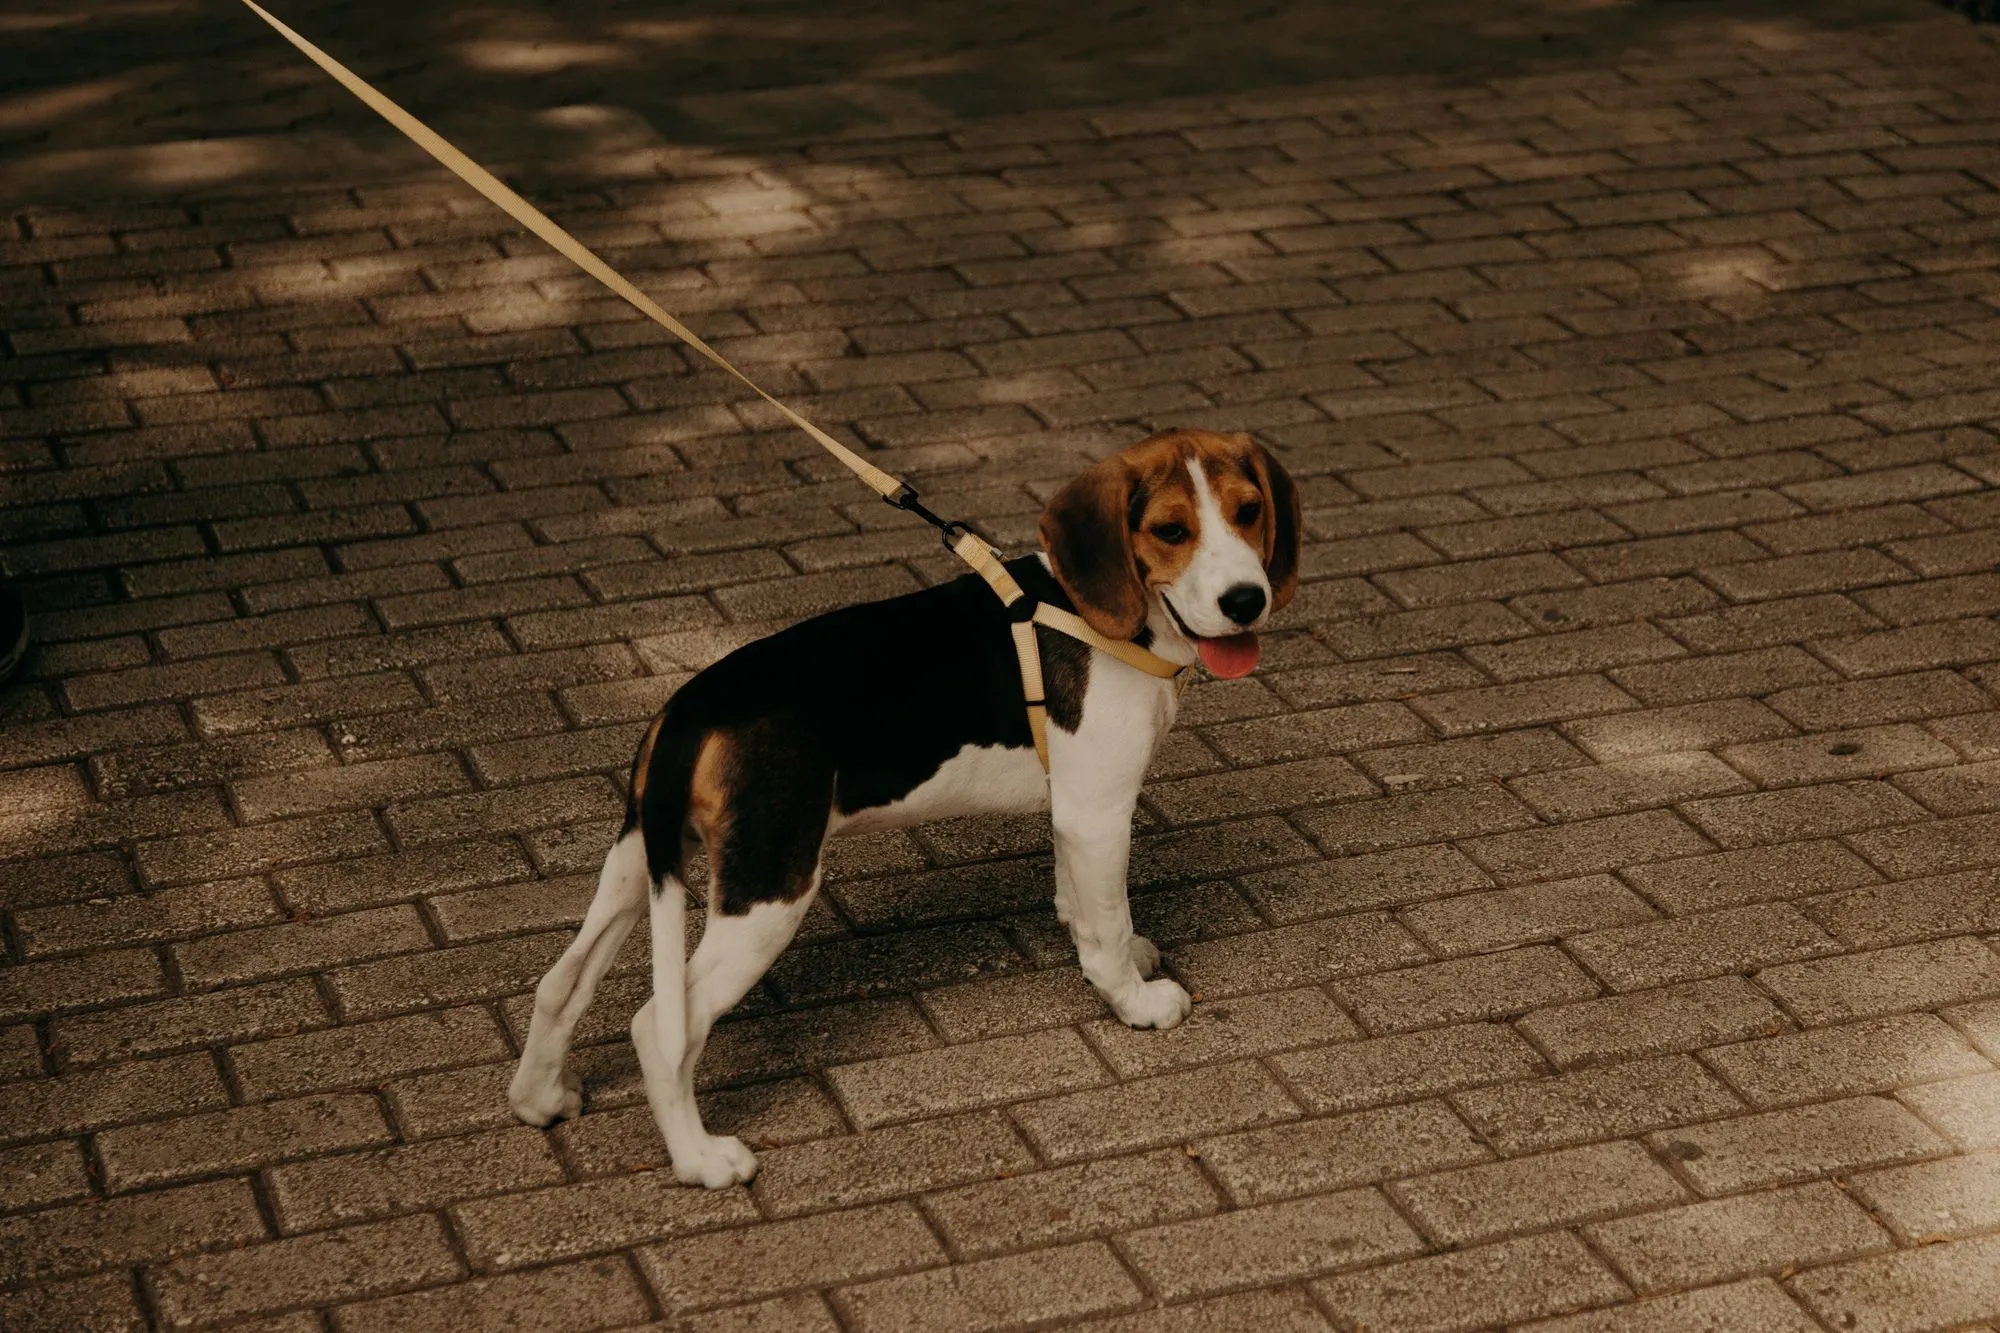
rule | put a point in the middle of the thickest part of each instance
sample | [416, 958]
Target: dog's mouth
[1227, 656]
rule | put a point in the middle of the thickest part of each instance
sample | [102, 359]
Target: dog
[897, 712]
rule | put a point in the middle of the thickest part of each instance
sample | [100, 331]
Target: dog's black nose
[1242, 603]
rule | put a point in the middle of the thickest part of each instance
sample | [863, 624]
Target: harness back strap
[969, 547]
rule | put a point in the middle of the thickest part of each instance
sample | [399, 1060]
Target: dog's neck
[1163, 637]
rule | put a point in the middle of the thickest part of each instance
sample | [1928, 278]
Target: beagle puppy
[906, 710]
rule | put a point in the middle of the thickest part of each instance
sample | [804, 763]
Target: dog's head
[1205, 526]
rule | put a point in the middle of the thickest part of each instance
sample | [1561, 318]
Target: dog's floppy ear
[1281, 536]
[1087, 531]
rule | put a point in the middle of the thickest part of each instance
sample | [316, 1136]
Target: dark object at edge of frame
[1979, 11]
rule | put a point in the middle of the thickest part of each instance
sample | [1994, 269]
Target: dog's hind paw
[717, 1162]
[1155, 1004]
[560, 1098]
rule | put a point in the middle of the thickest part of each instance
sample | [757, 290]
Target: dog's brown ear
[1281, 536]
[1087, 531]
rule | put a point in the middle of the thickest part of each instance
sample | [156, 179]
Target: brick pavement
[1592, 902]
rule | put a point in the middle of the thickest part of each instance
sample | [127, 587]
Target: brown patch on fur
[643, 765]
[708, 788]
[1103, 530]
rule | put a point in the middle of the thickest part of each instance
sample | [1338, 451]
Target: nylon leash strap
[966, 544]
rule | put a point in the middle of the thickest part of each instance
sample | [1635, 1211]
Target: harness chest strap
[985, 562]
[969, 548]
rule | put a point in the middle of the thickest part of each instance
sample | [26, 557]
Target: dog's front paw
[1145, 955]
[1155, 1004]
[544, 1102]
[716, 1162]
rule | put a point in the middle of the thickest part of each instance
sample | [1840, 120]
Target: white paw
[717, 1162]
[1145, 956]
[1155, 1004]
[543, 1102]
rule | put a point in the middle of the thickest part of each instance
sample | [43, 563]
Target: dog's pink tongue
[1231, 657]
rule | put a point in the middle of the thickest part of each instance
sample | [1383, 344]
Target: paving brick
[118, 1094]
[1803, 812]
[1065, 1282]
[355, 1187]
[900, 1160]
[1870, 752]
[28, 989]
[1313, 1156]
[1961, 790]
[1916, 648]
[747, 1262]
[1579, 652]
[1627, 784]
[1487, 986]
[445, 976]
[100, 920]
[1449, 763]
[1416, 817]
[238, 1138]
[1635, 957]
[1892, 699]
[1276, 1242]
[43, 1173]
[791, 1043]
[1715, 1241]
[1071, 1203]
[1669, 1019]
[170, 1025]
[514, 1230]
[1885, 981]
[1513, 1281]
[360, 1055]
[1937, 1286]
[300, 946]
[1961, 1108]
[250, 851]
[1168, 1109]
[1315, 734]
[572, 1298]
[1879, 1055]
[1217, 1031]
[306, 1270]
[1286, 1310]
[1719, 676]
[84, 1237]
[1534, 1193]
[1591, 1104]
[1754, 874]
[1500, 707]
[1758, 1303]
[1587, 847]
[1689, 727]
[1780, 1147]
[1294, 955]
[1931, 848]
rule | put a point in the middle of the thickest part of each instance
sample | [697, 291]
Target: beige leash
[983, 559]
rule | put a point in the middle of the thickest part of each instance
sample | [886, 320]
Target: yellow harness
[962, 541]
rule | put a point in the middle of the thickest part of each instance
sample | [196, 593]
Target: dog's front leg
[1093, 849]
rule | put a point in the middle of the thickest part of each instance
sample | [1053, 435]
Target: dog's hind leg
[735, 951]
[541, 1090]
[762, 802]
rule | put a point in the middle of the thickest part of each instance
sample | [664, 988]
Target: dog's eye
[1173, 534]
[1247, 512]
